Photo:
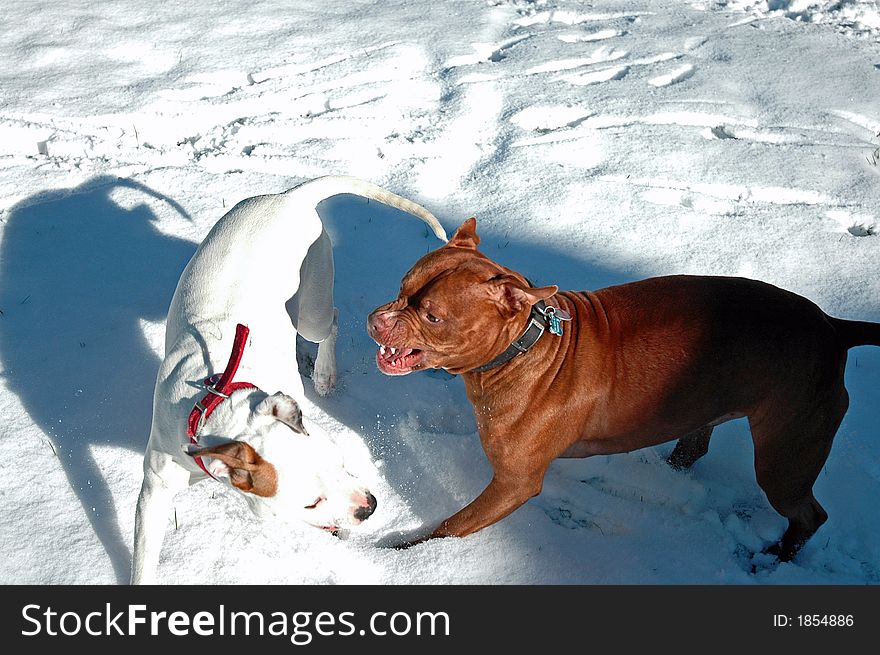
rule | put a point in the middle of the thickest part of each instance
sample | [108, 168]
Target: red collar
[220, 387]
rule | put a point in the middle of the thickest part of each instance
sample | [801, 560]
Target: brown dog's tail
[857, 333]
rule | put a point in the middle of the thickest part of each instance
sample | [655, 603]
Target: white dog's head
[284, 469]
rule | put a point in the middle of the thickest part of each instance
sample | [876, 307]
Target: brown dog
[571, 374]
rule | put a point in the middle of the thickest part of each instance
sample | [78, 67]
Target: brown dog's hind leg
[690, 448]
[788, 458]
[803, 522]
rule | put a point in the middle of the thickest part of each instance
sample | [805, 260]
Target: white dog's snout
[366, 505]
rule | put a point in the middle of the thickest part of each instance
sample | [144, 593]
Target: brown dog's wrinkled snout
[399, 350]
[379, 324]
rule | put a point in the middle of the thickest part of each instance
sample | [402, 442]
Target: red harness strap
[219, 387]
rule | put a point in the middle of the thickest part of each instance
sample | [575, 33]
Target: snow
[596, 142]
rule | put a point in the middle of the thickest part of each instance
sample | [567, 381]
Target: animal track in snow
[617, 72]
[737, 192]
[681, 198]
[600, 55]
[656, 59]
[601, 35]
[775, 135]
[863, 122]
[592, 122]
[859, 225]
[574, 18]
[206, 85]
[542, 118]
[679, 118]
[596, 77]
[720, 132]
[221, 83]
[862, 230]
[289, 70]
[678, 75]
[485, 52]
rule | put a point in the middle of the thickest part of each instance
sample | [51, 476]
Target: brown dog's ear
[465, 236]
[285, 409]
[245, 469]
[512, 296]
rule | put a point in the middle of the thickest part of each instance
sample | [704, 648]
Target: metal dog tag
[554, 318]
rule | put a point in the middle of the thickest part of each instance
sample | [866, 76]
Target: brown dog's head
[456, 310]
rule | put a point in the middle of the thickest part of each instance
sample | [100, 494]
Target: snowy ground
[596, 142]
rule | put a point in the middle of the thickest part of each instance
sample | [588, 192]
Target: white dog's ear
[243, 466]
[285, 409]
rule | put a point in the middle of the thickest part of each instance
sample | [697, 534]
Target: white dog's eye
[317, 502]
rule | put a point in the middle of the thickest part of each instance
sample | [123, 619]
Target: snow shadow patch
[78, 271]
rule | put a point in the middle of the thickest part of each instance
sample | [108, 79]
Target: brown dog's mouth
[399, 361]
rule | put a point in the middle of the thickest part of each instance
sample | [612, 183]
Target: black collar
[538, 324]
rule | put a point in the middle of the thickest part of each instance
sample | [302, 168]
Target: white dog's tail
[332, 185]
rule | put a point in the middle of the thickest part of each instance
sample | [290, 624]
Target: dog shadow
[421, 426]
[78, 273]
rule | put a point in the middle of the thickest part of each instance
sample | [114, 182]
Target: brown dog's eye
[432, 318]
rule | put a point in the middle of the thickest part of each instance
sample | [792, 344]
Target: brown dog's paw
[408, 544]
[402, 540]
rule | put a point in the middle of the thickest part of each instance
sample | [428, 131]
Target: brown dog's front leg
[500, 498]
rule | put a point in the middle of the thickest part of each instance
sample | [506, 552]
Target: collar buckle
[210, 385]
[524, 347]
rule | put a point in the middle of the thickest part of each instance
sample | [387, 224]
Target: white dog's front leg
[153, 506]
[324, 375]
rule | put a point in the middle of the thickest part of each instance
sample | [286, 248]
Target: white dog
[224, 404]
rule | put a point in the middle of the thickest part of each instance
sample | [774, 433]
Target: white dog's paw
[324, 373]
[324, 381]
